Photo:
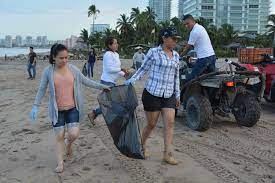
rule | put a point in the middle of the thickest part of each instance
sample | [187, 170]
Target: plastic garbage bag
[85, 70]
[118, 109]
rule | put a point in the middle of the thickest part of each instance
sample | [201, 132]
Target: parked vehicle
[221, 93]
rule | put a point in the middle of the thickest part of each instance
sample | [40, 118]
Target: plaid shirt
[163, 80]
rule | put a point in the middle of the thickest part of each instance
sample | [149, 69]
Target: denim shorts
[70, 118]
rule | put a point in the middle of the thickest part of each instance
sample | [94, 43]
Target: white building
[8, 41]
[162, 9]
[44, 41]
[38, 41]
[71, 42]
[28, 41]
[2, 42]
[99, 28]
[18, 41]
[244, 15]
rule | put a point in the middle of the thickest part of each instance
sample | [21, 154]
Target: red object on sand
[268, 69]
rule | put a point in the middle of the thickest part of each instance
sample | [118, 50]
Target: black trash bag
[118, 109]
[84, 70]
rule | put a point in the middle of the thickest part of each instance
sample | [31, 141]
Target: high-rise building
[38, 40]
[99, 28]
[243, 15]
[18, 41]
[162, 9]
[44, 41]
[2, 42]
[8, 41]
[71, 42]
[28, 41]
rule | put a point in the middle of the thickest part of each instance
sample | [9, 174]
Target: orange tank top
[64, 90]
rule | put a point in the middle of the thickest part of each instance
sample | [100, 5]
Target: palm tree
[164, 24]
[84, 36]
[214, 36]
[135, 14]
[124, 24]
[178, 24]
[92, 11]
[204, 22]
[108, 32]
[227, 34]
[126, 30]
[98, 38]
[150, 13]
[271, 26]
[150, 24]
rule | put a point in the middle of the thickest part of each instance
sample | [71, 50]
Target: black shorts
[152, 103]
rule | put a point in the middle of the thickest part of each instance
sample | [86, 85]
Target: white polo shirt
[200, 40]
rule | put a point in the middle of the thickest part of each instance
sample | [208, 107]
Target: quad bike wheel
[247, 110]
[199, 113]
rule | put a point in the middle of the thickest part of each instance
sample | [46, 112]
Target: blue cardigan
[79, 80]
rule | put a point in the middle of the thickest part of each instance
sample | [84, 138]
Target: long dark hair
[109, 41]
[55, 49]
[160, 41]
[93, 51]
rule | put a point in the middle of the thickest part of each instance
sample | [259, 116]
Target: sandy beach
[226, 153]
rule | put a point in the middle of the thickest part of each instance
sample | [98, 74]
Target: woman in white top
[111, 70]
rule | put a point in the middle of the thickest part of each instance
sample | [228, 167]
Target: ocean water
[18, 51]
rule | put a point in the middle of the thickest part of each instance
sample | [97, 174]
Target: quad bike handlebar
[238, 66]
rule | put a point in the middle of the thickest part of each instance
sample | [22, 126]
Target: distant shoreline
[16, 51]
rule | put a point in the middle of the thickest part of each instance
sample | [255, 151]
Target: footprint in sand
[75, 174]
[13, 159]
[40, 166]
[43, 117]
[31, 158]
[24, 148]
[37, 140]
[86, 169]
[3, 151]
[25, 131]
[45, 127]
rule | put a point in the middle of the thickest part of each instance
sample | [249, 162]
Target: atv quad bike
[220, 93]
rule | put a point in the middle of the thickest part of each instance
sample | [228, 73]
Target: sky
[59, 19]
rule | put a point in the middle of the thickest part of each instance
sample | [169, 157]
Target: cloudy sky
[58, 19]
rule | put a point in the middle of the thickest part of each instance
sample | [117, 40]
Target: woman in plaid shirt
[161, 93]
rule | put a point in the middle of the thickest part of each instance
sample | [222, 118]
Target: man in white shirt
[138, 59]
[199, 39]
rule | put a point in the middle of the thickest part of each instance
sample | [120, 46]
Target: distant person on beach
[65, 99]
[6, 57]
[112, 71]
[91, 62]
[161, 94]
[138, 58]
[32, 64]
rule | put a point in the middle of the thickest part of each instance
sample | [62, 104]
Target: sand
[225, 153]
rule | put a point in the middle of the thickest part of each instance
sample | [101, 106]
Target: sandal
[92, 117]
[168, 158]
[59, 168]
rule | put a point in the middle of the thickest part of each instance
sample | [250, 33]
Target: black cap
[169, 32]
